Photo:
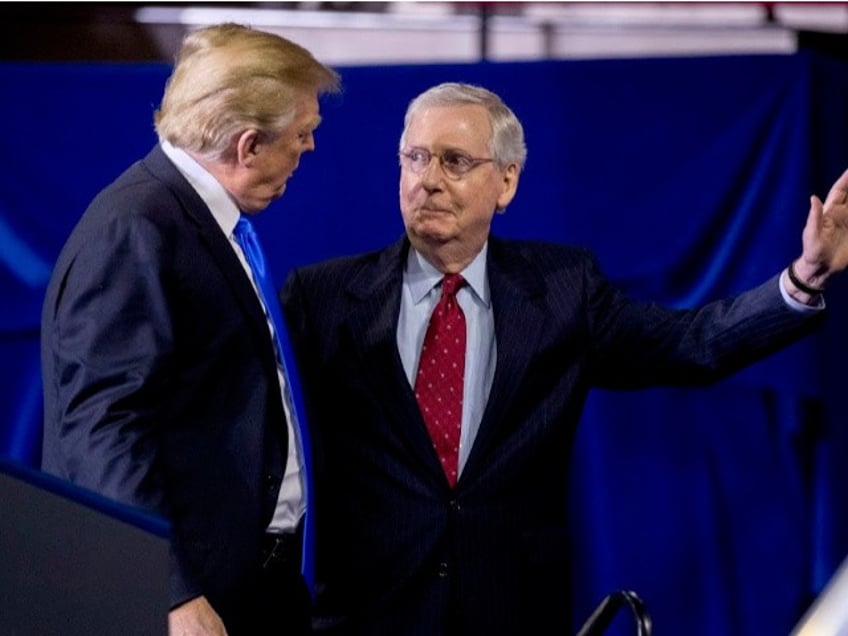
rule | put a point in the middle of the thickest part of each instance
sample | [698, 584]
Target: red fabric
[439, 382]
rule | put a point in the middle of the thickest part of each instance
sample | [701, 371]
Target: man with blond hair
[164, 382]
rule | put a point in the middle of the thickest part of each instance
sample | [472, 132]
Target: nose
[309, 143]
[431, 176]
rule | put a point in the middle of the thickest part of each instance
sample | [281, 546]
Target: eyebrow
[440, 150]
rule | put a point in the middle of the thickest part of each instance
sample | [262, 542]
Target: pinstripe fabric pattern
[400, 551]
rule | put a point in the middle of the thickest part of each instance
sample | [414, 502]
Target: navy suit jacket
[160, 382]
[400, 552]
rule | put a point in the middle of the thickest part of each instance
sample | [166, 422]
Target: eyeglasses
[455, 164]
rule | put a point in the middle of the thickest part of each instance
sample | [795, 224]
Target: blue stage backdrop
[723, 507]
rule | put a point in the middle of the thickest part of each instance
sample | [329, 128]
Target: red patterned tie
[439, 383]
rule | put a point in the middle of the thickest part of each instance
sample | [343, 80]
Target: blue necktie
[249, 242]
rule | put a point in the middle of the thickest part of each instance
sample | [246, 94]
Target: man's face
[275, 159]
[438, 209]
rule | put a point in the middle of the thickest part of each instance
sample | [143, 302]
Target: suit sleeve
[110, 345]
[644, 344]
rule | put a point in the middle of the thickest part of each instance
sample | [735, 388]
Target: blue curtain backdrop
[723, 507]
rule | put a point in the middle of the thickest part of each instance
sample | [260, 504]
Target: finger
[815, 214]
[813, 226]
[811, 239]
[839, 191]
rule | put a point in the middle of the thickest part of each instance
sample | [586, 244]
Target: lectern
[75, 563]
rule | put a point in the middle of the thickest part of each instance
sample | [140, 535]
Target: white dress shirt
[291, 502]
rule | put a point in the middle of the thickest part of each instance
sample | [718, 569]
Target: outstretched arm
[824, 241]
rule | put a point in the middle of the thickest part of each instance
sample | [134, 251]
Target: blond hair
[229, 78]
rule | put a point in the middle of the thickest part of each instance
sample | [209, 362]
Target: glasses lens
[455, 163]
[415, 160]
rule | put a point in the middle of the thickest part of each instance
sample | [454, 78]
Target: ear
[247, 147]
[510, 185]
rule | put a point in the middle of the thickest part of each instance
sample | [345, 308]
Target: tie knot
[243, 228]
[451, 284]
[245, 236]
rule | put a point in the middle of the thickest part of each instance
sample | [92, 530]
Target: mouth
[426, 209]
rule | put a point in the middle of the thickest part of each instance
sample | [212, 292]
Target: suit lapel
[517, 288]
[372, 326]
[198, 214]
[519, 316]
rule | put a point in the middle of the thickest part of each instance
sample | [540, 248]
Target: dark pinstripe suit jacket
[401, 553]
[160, 383]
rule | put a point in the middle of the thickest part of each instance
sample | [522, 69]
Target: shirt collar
[421, 276]
[214, 195]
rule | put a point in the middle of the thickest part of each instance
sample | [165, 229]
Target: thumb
[816, 211]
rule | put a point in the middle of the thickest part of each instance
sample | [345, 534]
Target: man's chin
[433, 233]
[275, 196]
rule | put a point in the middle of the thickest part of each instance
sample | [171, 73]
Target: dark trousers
[280, 604]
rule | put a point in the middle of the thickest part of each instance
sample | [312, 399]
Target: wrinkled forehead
[464, 126]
